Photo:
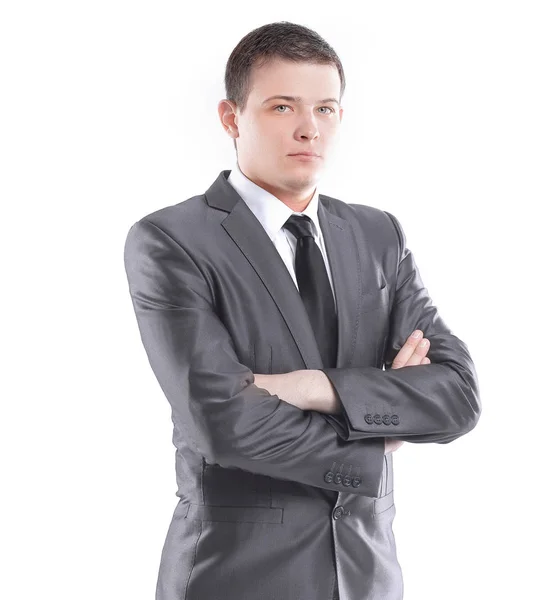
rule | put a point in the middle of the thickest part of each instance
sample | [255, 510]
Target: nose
[308, 128]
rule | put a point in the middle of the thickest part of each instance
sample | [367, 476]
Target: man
[276, 321]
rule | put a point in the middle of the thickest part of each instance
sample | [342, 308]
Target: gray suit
[275, 503]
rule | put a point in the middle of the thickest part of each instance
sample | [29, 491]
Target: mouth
[314, 154]
[304, 157]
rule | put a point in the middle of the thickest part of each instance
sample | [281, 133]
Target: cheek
[331, 127]
[260, 132]
[270, 137]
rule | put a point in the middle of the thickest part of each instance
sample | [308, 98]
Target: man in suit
[276, 320]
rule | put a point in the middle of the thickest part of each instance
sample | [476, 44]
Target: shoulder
[375, 223]
[187, 222]
[177, 217]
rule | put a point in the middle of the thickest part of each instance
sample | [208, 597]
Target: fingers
[391, 445]
[407, 350]
[419, 353]
[412, 352]
[399, 443]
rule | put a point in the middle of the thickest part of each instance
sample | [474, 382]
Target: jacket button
[329, 477]
[347, 480]
[377, 419]
[386, 419]
[337, 478]
[395, 419]
[368, 419]
[356, 482]
[338, 512]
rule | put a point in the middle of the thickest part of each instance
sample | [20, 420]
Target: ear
[227, 116]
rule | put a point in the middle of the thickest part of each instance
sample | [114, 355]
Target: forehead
[309, 81]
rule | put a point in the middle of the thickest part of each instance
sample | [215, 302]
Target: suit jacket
[277, 503]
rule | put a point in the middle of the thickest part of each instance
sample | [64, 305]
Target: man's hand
[412, 353]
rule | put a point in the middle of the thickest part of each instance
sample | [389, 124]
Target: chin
[302, 181]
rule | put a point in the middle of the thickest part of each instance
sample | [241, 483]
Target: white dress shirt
[272, 213]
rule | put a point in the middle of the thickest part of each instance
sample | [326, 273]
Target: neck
[296, 201]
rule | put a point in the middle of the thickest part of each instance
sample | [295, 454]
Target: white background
[109, 112]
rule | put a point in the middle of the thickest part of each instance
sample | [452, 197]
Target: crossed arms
[228, 419]
[310, 389]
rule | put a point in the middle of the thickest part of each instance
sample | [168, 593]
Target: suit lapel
[252, 240]
[342, 252]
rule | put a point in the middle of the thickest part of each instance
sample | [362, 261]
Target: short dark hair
[281, 40]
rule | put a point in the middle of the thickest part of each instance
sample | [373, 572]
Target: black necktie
[314, 287]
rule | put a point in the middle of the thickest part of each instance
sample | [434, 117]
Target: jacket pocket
[374, 299]
[242, 514]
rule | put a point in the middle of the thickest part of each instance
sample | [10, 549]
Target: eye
[287, 106]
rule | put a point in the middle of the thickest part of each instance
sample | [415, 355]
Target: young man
[276, 321]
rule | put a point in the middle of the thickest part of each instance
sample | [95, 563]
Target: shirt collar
[269, 210]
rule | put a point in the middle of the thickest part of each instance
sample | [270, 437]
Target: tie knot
[299, 226]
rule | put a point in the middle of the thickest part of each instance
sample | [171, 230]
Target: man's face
[269, 131]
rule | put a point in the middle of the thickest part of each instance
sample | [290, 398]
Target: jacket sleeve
[221, 413]
[437, 402]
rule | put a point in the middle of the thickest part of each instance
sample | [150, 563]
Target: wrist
[309, 389]
[327, 399]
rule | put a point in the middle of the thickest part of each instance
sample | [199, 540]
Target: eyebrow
[297, 99]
